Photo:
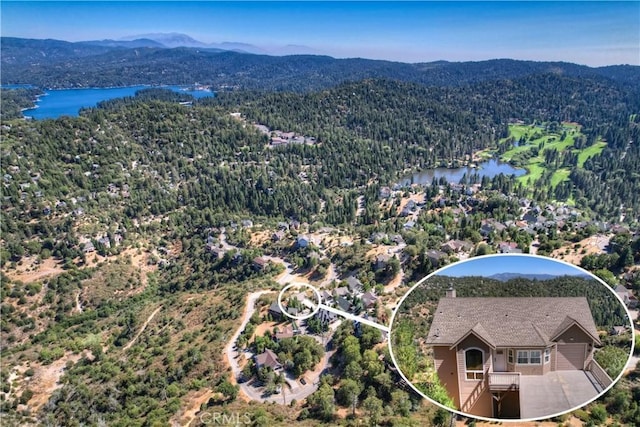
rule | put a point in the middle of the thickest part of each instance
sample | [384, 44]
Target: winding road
[294, 390]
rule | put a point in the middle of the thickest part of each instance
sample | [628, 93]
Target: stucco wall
[446, 367]
[475, 391]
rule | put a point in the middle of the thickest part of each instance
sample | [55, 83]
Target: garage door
[570, 357]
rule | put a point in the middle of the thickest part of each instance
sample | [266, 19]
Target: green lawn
[588, 152]
[542, 140]
[559, 176]
[534, 172]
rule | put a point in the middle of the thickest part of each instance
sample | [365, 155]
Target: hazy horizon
[588, 33]
[487, 266]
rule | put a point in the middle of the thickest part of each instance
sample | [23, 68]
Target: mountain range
[175, 40]
[504, 277]
[179, 59]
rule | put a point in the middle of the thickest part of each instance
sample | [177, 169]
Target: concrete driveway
[558, 391]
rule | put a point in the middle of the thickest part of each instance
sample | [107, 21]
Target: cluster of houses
[278, 137]
[89, 245]
[461, 200]
[350, 298]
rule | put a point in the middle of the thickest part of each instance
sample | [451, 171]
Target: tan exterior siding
[445, 363]
[474, 392]
[574, 335]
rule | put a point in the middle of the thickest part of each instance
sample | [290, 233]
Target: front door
[499, 360]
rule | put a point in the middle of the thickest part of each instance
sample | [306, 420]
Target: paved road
[295, 390]
[248, 311]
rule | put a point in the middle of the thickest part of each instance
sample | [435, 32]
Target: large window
[530, 357]
[474, 361]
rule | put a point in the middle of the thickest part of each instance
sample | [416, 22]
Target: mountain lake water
[68, 102]
[489, 168]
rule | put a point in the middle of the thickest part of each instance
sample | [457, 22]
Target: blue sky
[525, 264]
[592, 33]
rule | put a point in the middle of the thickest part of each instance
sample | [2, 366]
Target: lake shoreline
[55, 103]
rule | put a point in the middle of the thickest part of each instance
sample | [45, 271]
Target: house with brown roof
[269, 359]
[284, 332]
[493, 354]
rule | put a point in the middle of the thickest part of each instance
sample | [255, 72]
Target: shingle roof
[503, 322]
[267, 358]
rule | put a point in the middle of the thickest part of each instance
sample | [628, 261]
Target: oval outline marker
[507, 420]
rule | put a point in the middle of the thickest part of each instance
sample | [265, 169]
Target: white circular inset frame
[475, 356]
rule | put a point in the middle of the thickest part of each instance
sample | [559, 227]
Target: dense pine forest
[165, 175]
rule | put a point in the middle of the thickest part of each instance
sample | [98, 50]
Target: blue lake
[68, 102]
[489, 168]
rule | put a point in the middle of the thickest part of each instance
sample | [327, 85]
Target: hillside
[52, 63]
[134, 234]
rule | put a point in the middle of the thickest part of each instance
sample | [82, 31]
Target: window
[547, 355]
[510, 356]
[474, 361]
[523, 357]
[530, 357]
[535, 357]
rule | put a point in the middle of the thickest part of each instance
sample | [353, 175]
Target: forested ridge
[605, 308]
[165, 178]
[82, 65]
[407, 125]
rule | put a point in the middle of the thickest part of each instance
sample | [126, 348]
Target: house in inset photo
[509, 357]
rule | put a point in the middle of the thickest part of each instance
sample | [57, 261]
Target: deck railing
[504, 380]
[599, 374]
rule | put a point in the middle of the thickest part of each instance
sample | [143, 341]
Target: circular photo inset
[511, 337]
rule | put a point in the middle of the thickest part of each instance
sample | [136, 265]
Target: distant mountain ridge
[60, 64]
[173, 40]
[504, 277]
[141, 42]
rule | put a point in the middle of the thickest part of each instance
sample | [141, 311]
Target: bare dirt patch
[574, 252]
[32, 270]
[45, 379]
[260, 238]
[192, 403]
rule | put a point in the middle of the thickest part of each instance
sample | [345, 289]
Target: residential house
[341, 291]
[260, 264]
[626, 296]
[326, 316]
[302, 241]
[275, 312]
[436, 257]
[368, 299]
[105, 241]
[284, 332]
[493, 355]
[268, 359]
[343, 304]
[509, 248]
[354, 284]
[277, 236]
[489, 226]
[381, 262]
[88, 247]
[456, 246]
[409, 224]
[327, 298]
